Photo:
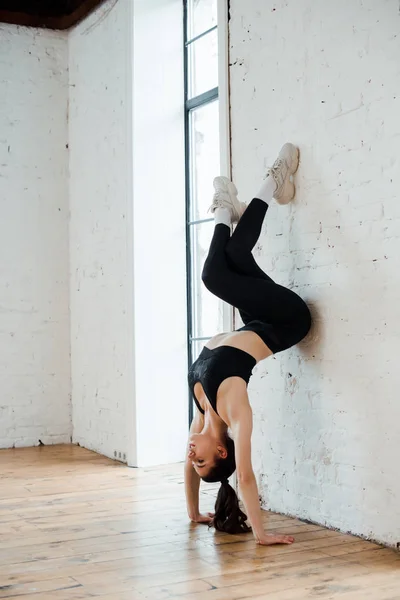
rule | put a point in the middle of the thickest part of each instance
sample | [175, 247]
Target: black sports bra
[214, 366]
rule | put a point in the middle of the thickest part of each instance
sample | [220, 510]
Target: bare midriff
[248, 341]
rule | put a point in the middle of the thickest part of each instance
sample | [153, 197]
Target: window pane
[197, 347]
[202, 15]
[207, 314]
[203, 64]
[204, 158]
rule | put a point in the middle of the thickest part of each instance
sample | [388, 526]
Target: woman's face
[203, 450]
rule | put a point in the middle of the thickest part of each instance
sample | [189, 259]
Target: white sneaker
[283, 168]
[226, 197]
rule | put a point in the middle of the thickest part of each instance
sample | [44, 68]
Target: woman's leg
[244, 238]
[240, 246]
[258, 298]
[277, 185]
[230, 271]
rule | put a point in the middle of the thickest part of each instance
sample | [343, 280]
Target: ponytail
[228, 515]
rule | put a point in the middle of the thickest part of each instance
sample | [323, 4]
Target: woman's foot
[226, 197]
[283, 168]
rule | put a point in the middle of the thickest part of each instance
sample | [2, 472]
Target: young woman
[275, 319]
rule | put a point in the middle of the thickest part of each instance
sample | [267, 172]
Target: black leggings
[231, 273]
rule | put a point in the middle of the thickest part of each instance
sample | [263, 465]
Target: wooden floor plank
[75, 526]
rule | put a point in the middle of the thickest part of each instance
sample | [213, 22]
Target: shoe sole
[294, 156]
[289, 190]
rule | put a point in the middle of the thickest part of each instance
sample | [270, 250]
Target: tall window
[205, 311]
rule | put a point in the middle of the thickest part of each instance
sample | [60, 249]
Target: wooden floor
[76, 525]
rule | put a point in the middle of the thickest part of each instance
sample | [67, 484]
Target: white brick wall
[325, 75]
[101, 230]
[119, 340]
[34, 308]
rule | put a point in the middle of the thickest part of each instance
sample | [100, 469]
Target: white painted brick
[117, 241]
[392, 208]
[325, 446]
[34, 281]
[101, 272]
[391, 228]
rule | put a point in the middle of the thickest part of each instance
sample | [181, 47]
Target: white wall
[325, 75]
[101, 229]
[34, 307]
[159, 233]
[129, 362]
[128, 294]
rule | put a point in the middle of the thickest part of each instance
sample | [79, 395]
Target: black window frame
[191, 104]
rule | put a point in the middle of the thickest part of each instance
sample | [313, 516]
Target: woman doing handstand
[274, 317]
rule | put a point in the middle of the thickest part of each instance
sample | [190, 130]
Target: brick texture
[101, 301]
[325, 75]
[34, 283]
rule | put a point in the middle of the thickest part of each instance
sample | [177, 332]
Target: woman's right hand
[200, 518]
[269, 539]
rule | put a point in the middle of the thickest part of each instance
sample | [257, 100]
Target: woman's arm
[192, 486]
[241, 427]
[192, 479]
[241, 433]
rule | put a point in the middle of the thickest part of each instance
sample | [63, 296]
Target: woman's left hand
[206, 518]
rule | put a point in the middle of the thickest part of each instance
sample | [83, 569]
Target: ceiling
[52, 14]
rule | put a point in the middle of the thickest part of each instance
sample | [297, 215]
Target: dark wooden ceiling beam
[69, 13]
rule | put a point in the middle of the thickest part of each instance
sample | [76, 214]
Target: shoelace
[218, 194]
[278, 164]
[217, 200]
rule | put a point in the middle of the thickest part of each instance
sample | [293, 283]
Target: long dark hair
[228, 515]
